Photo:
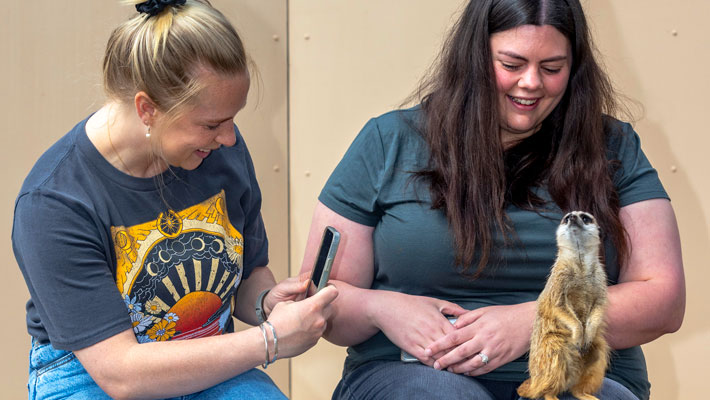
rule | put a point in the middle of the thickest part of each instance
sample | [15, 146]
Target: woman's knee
[610, 390]
[395, 380]
[253, 384]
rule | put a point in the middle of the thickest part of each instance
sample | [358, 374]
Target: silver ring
[484, 358]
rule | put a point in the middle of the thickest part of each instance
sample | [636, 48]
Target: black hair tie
[155, 7]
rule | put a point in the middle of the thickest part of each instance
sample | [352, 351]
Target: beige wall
[654, 49]
[350, 61]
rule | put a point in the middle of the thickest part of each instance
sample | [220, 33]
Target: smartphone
[324, 261]
[408, 358]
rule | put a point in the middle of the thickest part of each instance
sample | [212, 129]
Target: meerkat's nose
[572, 219]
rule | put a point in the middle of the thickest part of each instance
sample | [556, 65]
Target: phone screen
[324, 260]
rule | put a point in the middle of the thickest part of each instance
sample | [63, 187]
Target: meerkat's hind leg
[595, 361]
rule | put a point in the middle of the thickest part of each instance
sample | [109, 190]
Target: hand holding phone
[324, 260]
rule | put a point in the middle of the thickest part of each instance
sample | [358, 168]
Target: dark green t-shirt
[413, 249]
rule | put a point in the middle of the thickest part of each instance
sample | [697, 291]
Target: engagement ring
[484, 358]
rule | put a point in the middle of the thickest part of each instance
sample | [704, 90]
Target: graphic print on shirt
[178, 273]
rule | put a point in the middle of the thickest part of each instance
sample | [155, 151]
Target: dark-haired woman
[450, 209]
[139, 233]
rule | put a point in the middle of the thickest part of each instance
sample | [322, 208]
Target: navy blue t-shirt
[413, 247]
[102, 251]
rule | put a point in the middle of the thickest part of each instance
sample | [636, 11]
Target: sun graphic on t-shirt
[169, 224]
[194, 309]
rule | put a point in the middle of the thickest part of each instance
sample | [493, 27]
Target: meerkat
[568, 351]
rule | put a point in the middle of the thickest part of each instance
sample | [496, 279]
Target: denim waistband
[42, 355]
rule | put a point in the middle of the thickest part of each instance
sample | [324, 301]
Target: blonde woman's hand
[299, 324]
[290, 289]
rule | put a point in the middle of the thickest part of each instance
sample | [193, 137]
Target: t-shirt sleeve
[353, 187]
[64, 262]
[636, 180]
[256, 244]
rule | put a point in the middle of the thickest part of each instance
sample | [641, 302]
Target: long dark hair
[471, 177]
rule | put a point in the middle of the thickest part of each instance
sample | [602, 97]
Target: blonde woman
[139, 232]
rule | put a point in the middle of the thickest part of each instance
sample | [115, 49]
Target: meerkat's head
[578, 231]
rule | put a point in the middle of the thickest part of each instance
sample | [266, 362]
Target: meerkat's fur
[568, 351]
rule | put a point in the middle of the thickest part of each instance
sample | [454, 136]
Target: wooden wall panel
[50, 80]
[349, 61]
[263, 28]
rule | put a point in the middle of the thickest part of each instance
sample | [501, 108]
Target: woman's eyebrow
[218, 121]
[519, 57]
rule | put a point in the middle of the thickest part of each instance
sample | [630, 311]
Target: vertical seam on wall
[288, 167]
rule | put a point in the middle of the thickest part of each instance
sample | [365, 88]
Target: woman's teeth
[524, 102]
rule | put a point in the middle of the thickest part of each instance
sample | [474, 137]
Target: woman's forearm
[641, 311]
[128, 370]
[352, 321]
[261, 278]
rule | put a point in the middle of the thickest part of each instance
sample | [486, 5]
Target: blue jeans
[58, 374]
[395, 380]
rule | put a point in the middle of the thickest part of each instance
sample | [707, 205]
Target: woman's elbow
[676, 315]
[669, 302]
[117, 388]
[115, 379]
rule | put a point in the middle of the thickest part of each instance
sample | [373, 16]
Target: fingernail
[437, 365]
[427, 352]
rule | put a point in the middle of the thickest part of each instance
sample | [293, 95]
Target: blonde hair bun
[155, 7]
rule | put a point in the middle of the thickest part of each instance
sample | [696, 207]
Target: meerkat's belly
[580, 304]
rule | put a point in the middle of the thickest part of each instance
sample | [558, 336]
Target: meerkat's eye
[586, 219]
[565, 220]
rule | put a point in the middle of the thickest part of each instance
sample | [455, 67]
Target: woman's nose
[530, 79]
[226, 136]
